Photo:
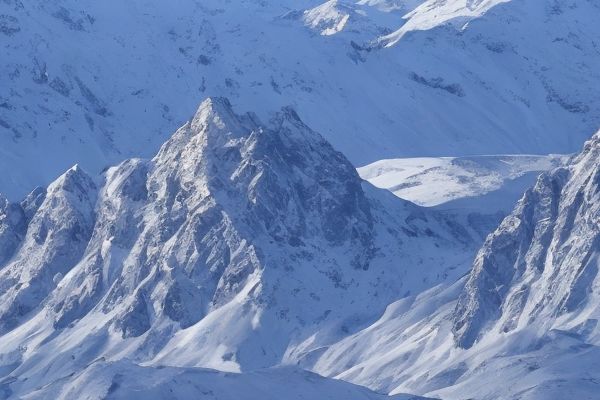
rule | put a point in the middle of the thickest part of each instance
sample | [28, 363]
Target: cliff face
[239, 245]
[521, 325]
[541, 264]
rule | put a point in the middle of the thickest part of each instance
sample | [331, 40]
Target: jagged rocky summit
[239, 246]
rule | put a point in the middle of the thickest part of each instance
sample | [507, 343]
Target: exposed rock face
[55, 240]
[192, 217]
[238, 246]
[11, 228]
[542, 262]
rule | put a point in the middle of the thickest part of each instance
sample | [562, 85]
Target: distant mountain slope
[485, 183]
[239, 246]
[522, 325]
[97, 82]
[435, 13]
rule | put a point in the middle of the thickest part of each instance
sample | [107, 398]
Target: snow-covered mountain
[97, 82]
[521, 325]
[243, 251]
[539, 269]
[239, 246]
[434, 13]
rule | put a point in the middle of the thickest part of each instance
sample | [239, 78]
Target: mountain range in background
[96, 83]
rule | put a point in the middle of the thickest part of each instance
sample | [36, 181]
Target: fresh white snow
[485, 183]
[245, 256]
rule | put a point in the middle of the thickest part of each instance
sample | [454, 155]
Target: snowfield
[487, 183]
[125, 381]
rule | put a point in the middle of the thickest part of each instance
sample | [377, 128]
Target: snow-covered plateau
[485, 183]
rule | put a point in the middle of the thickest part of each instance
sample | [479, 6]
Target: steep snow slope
[487, 183]
[521, 325]
[97, 82]
[237, 247]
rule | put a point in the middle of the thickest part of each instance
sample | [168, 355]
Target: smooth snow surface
[491, 183]
[126, 381]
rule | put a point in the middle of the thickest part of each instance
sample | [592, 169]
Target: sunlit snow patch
[447, 180]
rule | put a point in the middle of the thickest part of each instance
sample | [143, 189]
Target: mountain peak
[592, 145]
[263, 167]
[213, 106]
[215, 114]
[74, 180]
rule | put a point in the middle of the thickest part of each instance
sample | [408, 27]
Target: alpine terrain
[95, 83]
[299, 199]
[527, 313]
[238, 247]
